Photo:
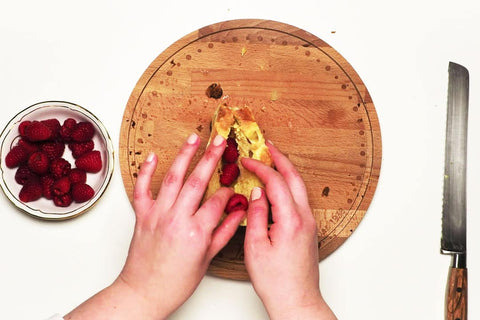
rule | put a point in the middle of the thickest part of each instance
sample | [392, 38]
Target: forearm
[118, 301]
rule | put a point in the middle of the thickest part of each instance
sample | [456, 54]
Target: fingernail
[150, 157]
[218, 140]
[192, 139]
[256, 193]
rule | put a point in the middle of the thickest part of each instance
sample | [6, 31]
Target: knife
[454, 215]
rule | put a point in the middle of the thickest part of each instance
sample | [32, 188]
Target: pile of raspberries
[230, 173]
[42, 169]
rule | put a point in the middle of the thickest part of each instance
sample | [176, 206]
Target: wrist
[117, 301]
[154, 298]
[313, 308]
[144, 307]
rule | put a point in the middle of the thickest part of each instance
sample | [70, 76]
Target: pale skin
[176, 237]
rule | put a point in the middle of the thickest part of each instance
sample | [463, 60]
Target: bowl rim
[110, 161]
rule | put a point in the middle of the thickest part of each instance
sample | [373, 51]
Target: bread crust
[239, 122]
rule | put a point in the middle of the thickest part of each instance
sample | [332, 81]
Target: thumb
[142, 195]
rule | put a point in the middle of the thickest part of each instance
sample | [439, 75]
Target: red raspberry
[82, 192]
[22, 126]
[27, 145]
[230, 155]
[16, 156]
[54, 126]
[231, 142]
[77, 176]
[47, 185]
[61, 186]
[30, 192]
[230, 172]
[59, 167]
[38, 131]
[23, 175]
[236, 202]
[69, 123]
[38, 162]
[53, 149]
[79, 148]
[90, 161]
[41, 168]
[82, 132]
[62, 201]
[66, 129]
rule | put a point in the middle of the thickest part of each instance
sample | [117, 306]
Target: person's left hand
[174, 239]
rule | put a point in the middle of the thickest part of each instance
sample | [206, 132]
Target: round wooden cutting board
[305, 96]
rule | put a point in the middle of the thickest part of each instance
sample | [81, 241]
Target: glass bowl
[60, 110]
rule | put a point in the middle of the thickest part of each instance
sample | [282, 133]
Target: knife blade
[454, 213]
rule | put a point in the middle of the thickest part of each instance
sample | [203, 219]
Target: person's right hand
[282, 261]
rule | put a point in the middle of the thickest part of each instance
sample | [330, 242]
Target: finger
[290, 174]
[257, 217]
[224, 232]
[211, 211]
[142, 195]
[174, 178]
[192, 191]
[276, 189]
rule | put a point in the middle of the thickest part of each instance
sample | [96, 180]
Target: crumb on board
[274, 95]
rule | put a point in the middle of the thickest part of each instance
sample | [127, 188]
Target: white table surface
[93, 52]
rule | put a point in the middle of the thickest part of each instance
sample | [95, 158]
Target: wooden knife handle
[457, 294]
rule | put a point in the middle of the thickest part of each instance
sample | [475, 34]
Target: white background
[93, 52]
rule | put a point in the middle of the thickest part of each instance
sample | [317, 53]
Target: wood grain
[457, 291]
[305, 96]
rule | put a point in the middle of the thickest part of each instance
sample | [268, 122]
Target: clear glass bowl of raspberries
[56, 160]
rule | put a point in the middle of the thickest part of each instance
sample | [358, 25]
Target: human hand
[282, 261]
[174, 240]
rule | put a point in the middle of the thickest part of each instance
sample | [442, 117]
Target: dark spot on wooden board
[214, 91]
[325, 192]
